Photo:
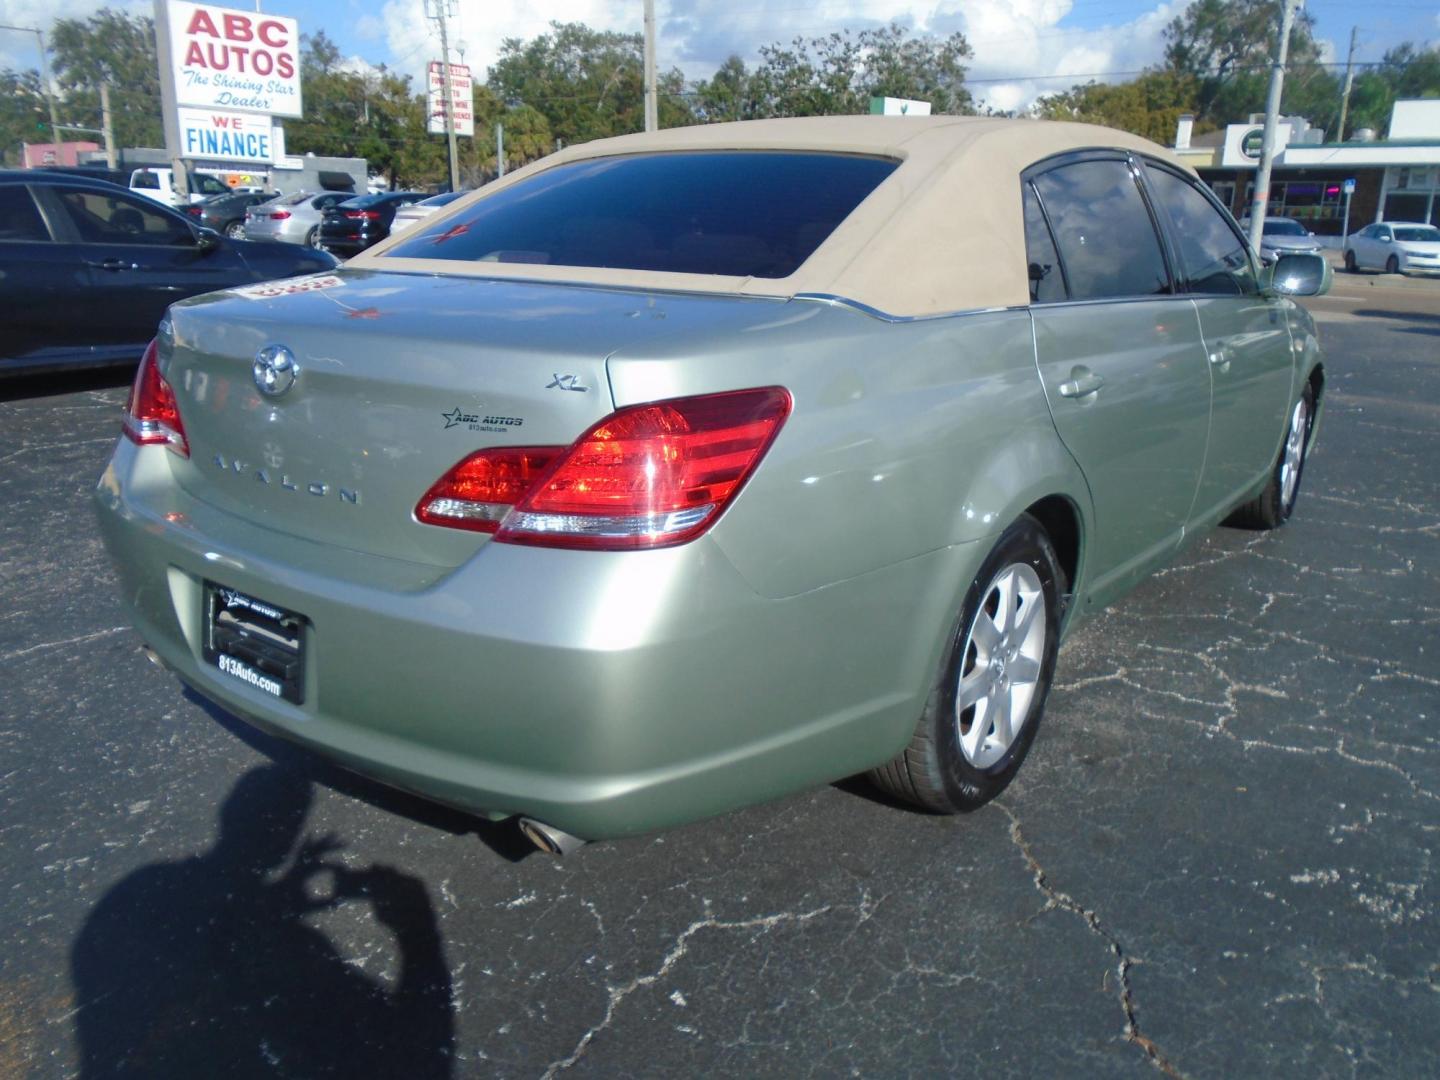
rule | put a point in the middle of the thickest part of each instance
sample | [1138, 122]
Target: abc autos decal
[227, 59]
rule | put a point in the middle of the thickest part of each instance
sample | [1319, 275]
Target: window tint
[1103, 230]
[145, 181]
[1282, 227]
[105, 219]
[1212, 254]
[1046, 281]
[1418, 233]
[737, 213]
[19, 220]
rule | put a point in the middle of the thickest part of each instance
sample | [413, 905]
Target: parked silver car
[407, 216]
[294, 219]
[1284, 236]
[680, 471]
[1397, 247]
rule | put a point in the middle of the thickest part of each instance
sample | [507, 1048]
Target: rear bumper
[603, 693]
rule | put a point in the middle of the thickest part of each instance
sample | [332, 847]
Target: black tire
[1350, 264]
[1392, 265]
[1271, 508]
[235, 230]
[934, 771]
[312, 238]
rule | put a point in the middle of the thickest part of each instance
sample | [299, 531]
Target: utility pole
[45, 87]
[1349, 81]
[442, 10]
[652, 112]
[107, 127]
[169, 112]
[499, 149]
[1260, 196]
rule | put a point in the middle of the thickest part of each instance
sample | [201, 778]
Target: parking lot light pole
[1260, 194]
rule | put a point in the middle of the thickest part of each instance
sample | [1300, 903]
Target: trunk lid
[400, 376]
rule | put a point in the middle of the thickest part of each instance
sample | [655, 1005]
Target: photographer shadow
[210, 966]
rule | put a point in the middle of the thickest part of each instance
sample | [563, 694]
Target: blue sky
[1022, 47]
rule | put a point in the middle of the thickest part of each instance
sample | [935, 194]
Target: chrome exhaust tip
[153, 657]
[549, 839]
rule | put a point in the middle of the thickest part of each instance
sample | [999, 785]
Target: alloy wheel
[1001, 665]
[1294, 454]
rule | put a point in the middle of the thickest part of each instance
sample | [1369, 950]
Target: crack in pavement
[676, 953]
[44, 645]
[1054, 898]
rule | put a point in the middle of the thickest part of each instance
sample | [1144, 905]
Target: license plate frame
[255, 642]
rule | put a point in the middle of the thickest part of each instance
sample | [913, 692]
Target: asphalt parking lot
[1218, 861]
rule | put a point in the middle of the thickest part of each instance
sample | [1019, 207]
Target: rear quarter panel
[906, 437]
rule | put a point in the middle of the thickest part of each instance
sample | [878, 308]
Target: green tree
[1404, 72]
[118, 48]
[1226, 46]
[838, 74]
[23, 116]
[587, 84]
[1148, 106]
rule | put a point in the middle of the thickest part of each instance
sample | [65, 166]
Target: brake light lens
[651, 475]
[478, 492]
[279, 215]
[363, 215]
[195, 211]
[151, 414]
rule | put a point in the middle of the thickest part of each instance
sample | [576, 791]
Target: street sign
[891, 106]
[1349, 186]
[462, 99]
[226, 136]
[227, 59]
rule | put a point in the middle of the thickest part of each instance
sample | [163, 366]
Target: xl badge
[275, 370]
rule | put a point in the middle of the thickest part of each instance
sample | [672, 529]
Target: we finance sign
[226, 136]
[227, 59]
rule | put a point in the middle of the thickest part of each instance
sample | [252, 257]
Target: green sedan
[681, 471]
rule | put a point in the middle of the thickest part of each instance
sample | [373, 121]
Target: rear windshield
[1417, 232]
[296, 199]
[1284, 227]
[360, 202]
[737, 213]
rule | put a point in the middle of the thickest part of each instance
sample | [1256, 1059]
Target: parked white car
[1397, 247]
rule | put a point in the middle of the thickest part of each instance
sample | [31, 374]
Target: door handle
[1082, 383]
[1220, 358]
[113, 265]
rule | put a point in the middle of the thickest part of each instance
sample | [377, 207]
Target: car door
[1377, 246]
[42, 289]
[1121, 359]
[1246, 335]
[140, 258]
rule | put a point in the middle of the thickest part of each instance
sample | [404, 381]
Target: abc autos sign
[228, 59]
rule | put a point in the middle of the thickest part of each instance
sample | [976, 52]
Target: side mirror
[206, 239]
[1300, 275]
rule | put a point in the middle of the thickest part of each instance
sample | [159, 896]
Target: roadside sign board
[234, 60]
[462, 99]
[218, 135]
[1349, 186]
[894, 106]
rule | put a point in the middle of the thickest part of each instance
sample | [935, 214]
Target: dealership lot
[1218, 861]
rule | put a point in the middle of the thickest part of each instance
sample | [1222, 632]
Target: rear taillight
[279, 215]
[363, 215]
[481, 490]
[151, 415]
[195, 211]
[646, 476]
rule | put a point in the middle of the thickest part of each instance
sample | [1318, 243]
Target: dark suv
[362, 222]
[87, 269]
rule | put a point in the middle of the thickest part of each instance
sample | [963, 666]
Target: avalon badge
[275, 370]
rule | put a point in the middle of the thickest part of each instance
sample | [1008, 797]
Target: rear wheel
[1350, 264]
[984, 711]
[1392, 265]
[1274, 505]
[235, 230]
[312, 238]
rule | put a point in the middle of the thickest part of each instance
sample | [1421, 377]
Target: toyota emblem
[275, 370]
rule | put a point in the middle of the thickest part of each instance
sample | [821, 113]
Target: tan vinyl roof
[942, 233]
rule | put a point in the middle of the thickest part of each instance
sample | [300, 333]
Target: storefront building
[1391, 179]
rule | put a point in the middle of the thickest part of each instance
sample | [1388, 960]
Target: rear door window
[1103, 230]
[1214, 257]
[19, 217]
[108, 219]
[1047, 282]
[738, 213]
